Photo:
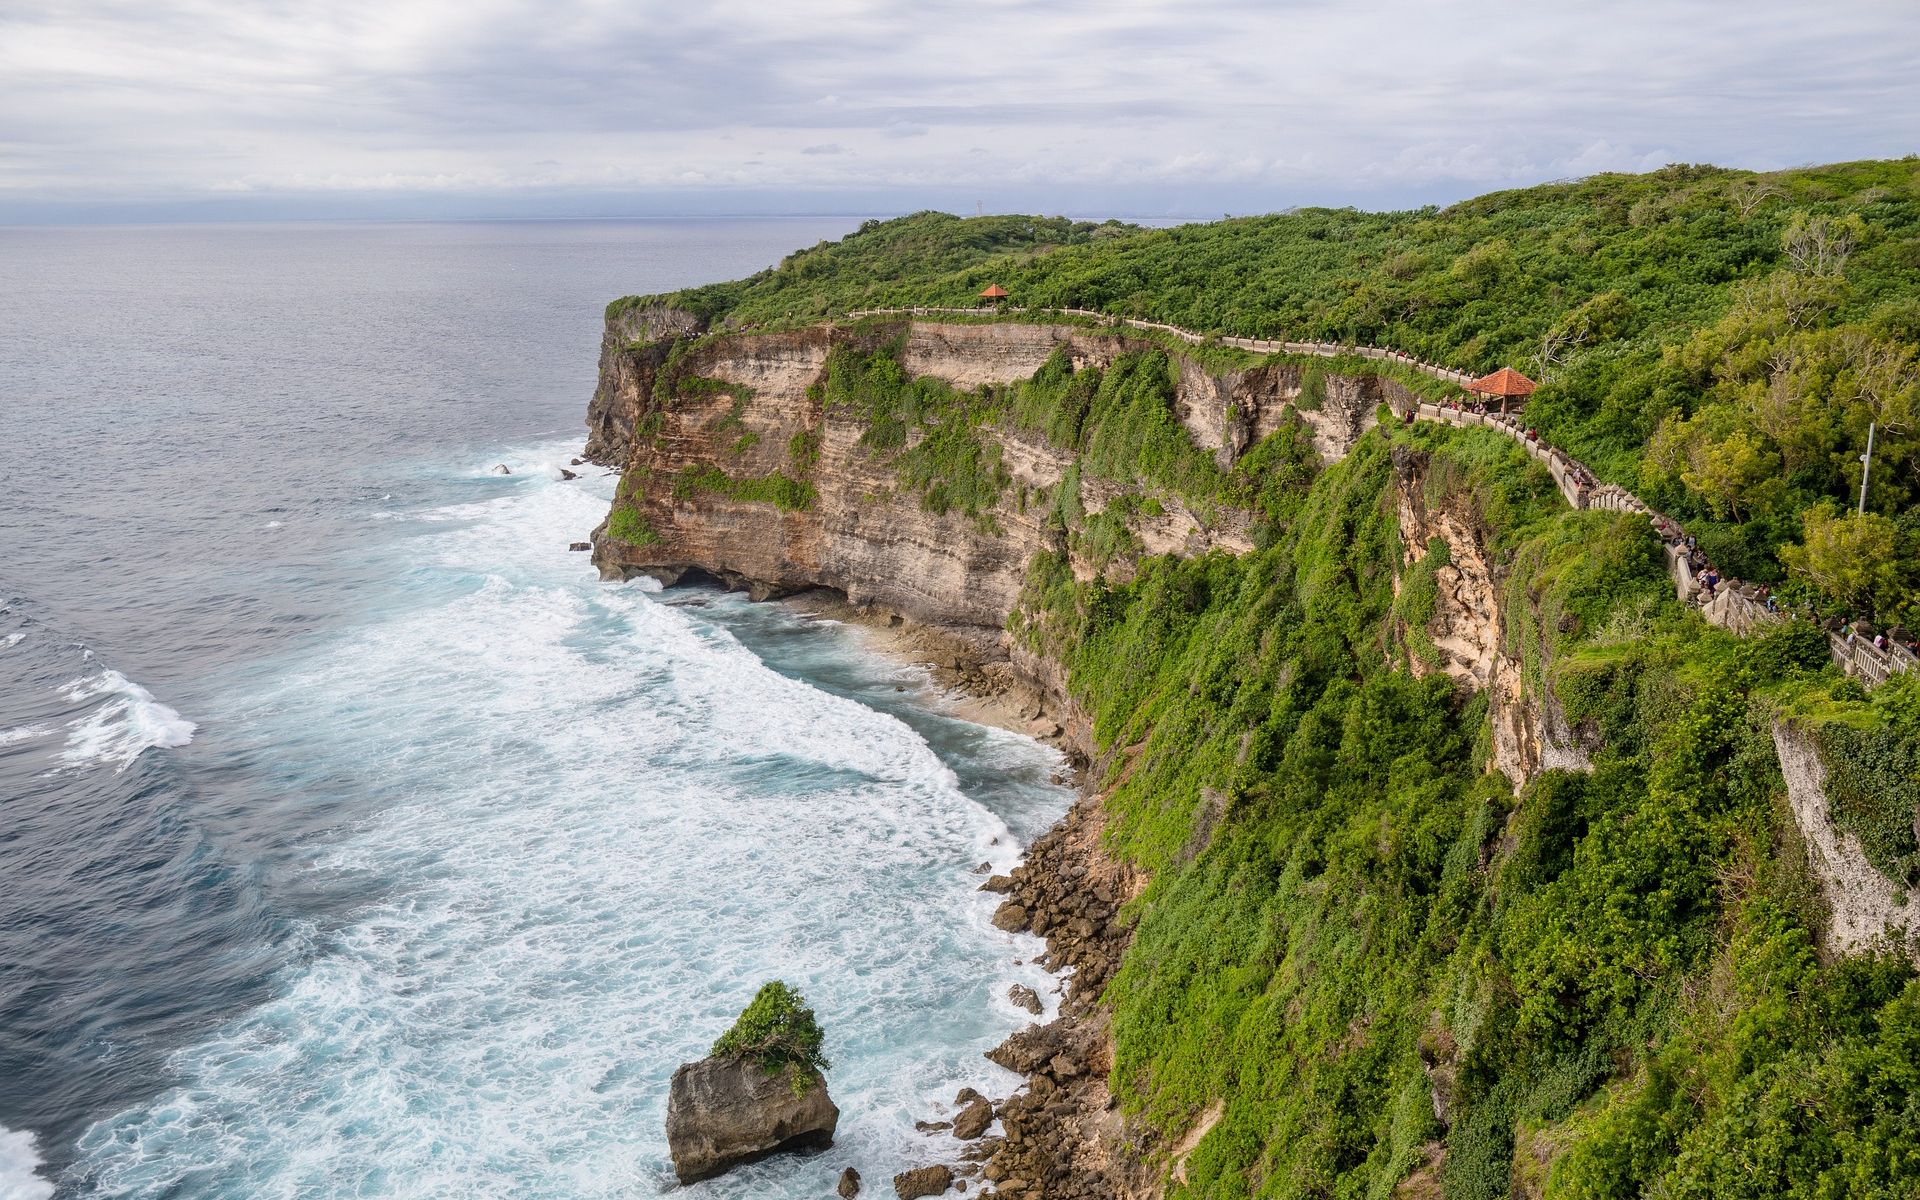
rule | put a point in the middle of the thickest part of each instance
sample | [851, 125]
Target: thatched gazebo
[1503, 385]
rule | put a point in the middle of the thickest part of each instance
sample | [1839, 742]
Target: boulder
[723, 1112]
[1027, 1050]
[1010, 916]
[973, 1120]
[579, 545]
[566, 474]
[849, 1185]
[501, 469]
[924, 1181]
[576, 462]
[1025, 997]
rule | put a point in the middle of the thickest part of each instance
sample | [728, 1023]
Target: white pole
[1866, 464]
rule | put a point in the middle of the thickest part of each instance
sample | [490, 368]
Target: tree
[1819, 245]
[1850, 557]
[778, 1031]
[1717, 457]
[1750, 194]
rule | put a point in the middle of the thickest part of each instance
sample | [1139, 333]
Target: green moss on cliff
[627, 525]
[777, 488]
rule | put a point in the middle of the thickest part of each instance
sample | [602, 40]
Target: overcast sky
[615, 107]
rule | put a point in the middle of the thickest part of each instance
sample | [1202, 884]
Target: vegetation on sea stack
[778, 1032]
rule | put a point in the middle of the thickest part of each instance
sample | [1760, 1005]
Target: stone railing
[1733, 605]
[1859, 657]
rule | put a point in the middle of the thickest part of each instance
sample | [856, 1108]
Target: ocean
[355, 840]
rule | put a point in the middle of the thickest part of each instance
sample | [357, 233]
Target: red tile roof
[1504, 382]
[994, 292]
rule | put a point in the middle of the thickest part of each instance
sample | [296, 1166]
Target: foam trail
[126, 723]
[19, 1167]
[603, 821]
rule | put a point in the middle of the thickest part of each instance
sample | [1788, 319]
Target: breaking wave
[599, 818]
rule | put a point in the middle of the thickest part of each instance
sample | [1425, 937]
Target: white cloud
[184, 98]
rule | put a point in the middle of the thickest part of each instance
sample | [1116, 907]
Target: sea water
[354, 838]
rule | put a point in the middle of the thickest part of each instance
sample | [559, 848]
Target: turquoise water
[360, 842]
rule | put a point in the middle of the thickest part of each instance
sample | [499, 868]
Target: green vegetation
[626, 524]
[877, 265]
[1382, 961]
[778, 1031]
[779, 489]
[1610, 978]
[1717, 340]
[1120, 422]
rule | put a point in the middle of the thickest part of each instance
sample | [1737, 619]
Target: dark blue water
[354, 839]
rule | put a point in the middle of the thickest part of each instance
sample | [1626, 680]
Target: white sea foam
[125, 723]
[19, 1167]
[22, 733]
[16, 637]
[604, 822]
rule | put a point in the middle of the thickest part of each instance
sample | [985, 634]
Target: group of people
[1703, 569]
[1883, 640]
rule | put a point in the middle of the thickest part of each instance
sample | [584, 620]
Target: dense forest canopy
[1718, 341]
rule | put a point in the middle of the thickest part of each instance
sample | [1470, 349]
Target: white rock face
[1865, 908]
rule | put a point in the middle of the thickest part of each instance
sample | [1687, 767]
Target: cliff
[858, 532]
[1409, 789]
[1470, 634]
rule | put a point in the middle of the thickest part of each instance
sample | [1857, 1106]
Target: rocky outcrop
[724, 1112]
[972, 1120]
[950, 578]
[1063, 1137]
[1468, 630]
[861, 534]
[632, 349]
[1865, 910]
[922, 1181]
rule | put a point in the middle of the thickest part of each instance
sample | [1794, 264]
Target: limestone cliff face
[1865, 909]
[1473, 634]
[631, 351]
[861, 534]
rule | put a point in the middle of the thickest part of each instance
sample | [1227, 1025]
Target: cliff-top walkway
[1729, 603]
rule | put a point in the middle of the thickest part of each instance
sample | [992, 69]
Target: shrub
[627, 525]
[778, 1032]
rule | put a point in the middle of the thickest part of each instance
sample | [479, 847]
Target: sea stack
[760, 1092]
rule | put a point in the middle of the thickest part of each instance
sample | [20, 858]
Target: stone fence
[1859, 657]
[1733, 605]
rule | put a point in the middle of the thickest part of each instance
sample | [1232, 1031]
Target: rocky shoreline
[1063, 1136]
